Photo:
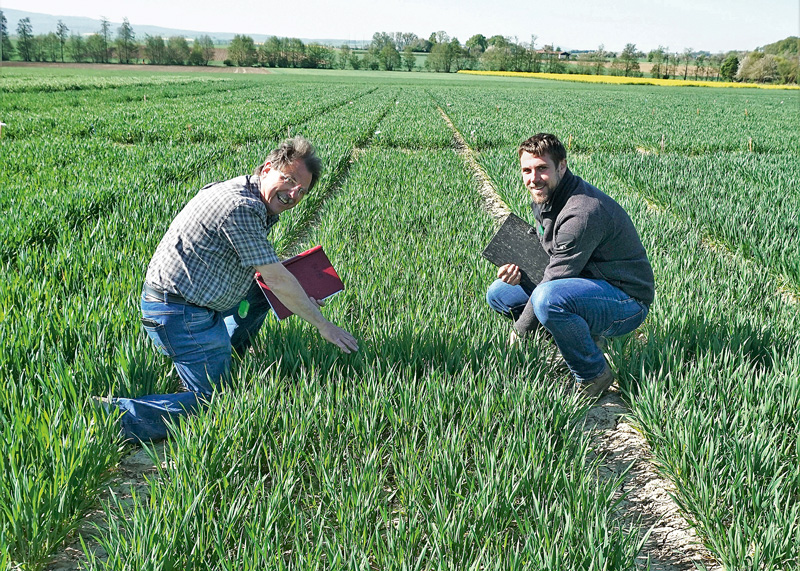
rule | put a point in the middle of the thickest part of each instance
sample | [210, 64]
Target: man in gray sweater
[598, 283]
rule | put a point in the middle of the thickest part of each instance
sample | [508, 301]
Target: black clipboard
[516, 242]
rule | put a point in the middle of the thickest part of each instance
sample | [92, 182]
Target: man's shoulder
[233, 186]
[230, 194]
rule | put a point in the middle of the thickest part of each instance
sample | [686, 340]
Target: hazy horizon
[707, 25]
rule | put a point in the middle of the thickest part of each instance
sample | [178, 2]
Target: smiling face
[541, 175]
[283, 188]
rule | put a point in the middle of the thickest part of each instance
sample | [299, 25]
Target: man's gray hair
[298, 148]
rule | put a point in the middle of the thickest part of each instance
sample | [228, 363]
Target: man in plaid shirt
[201, 271]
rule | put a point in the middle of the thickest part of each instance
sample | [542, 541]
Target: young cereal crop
[435, 446]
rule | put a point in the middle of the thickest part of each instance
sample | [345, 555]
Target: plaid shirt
[210, 250]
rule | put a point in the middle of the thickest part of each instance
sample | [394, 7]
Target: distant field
[436, 446]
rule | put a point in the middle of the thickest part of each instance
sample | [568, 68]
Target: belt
[164, 296]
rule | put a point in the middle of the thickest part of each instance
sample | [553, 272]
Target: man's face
[282, 189]
[541, 175]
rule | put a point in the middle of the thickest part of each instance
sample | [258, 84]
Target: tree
[380, 40]
[295, 51]
[370, 60]
[242, 51]
[402, 40]
[76, 46]
[788, 68]
[196, 55]
[202, 51]
[178, 50]
[272, 53]
[95, 48]
[47, 47]
[126, 42]
[687, 57]
[389, 57]
[318, 56]
[105, 33]
[599, 59]
[552, 63]
[758, 67]
[699, 65]
[439, 60]
[658, 57]
[409, 59]
[628, 60]
[714, 65]
[155, 50]
[344, 56]
[6, 47]
[729, 67]
[207, 47]
[477, 44]
[61, 33]
[25, 39]
[497, 56]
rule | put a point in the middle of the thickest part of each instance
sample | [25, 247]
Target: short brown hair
[544, 144]
[298, 148]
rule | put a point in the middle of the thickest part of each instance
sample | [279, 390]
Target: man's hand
[284, 285]
[510, 274]
[338, 336]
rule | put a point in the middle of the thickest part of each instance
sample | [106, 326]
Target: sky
[710, 25]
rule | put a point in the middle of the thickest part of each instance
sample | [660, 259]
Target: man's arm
[286, 287]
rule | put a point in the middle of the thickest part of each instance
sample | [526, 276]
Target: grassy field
[436, 446]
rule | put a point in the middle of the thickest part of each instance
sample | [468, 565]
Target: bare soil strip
[672, 545]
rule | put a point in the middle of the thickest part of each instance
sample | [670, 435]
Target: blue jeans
[199, 341]
[574, 311]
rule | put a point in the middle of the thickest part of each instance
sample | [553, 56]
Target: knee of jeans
[542, 304]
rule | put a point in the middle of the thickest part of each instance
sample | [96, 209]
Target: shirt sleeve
[574, 241]
[247, 233]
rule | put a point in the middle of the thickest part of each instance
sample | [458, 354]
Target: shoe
[594, 388]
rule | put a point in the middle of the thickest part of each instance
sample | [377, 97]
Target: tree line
[776, 63]
[102, 46]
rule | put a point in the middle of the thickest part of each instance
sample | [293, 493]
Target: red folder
[315, 273]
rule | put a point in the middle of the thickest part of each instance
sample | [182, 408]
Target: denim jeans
[574, 311]
[199, 341]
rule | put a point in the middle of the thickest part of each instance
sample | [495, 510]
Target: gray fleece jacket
[588, 235]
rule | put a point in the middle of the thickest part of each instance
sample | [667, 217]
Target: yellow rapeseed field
[628, 80]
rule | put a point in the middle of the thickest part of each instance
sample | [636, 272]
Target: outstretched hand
[339, 337]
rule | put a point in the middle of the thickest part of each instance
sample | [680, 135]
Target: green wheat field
[436, 446]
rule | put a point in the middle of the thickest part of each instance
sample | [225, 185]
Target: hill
[44, 23]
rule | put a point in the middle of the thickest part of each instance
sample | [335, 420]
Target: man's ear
[562, 167]
[266, 167]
